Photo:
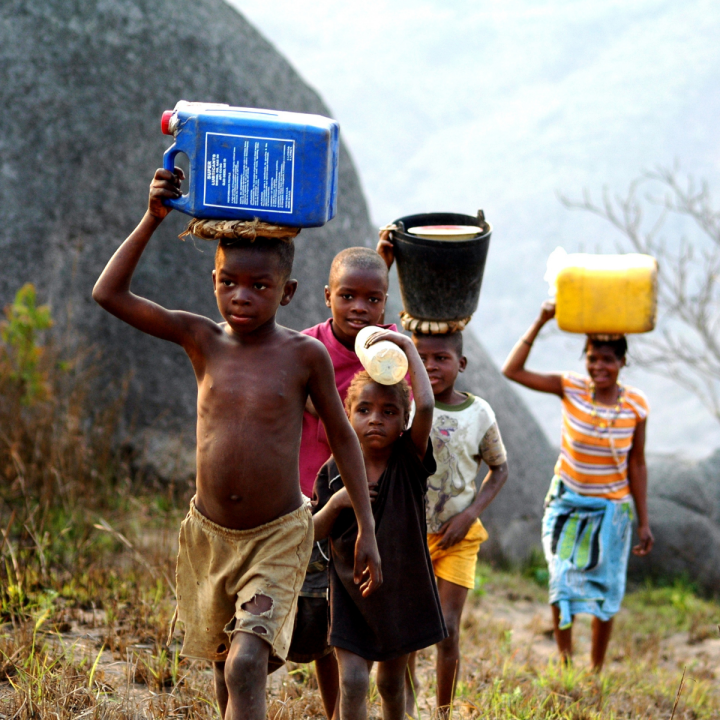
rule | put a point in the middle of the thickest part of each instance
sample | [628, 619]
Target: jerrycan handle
[183, 202]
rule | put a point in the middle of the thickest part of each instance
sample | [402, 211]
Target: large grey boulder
[684, 509]
[83, 86]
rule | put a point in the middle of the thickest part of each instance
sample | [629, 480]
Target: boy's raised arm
[348, 456]
[112, 290]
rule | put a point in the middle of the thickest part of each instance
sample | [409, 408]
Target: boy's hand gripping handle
[183, 202]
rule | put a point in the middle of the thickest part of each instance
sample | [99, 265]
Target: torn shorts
[220, 570]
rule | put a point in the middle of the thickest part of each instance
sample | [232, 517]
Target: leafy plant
[535, 568]
[21, 352]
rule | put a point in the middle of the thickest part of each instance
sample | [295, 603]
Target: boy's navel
[235, 498]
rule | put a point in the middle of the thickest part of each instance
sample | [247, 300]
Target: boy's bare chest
[260, 380]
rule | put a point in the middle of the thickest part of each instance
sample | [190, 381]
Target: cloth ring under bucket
[432, 327]
[237, 229]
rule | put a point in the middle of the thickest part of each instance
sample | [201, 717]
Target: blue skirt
[586, 541]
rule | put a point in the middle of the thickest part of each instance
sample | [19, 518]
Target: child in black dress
[404, 615]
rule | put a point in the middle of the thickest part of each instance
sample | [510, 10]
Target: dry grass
[93, 646]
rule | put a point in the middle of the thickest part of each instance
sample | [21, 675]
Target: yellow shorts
[220, 571]
[457, 563]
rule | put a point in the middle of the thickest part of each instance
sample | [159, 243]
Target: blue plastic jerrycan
[279, 167]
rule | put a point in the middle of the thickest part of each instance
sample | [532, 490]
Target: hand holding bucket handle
[385, 248]
[182, 203]
[165, 186]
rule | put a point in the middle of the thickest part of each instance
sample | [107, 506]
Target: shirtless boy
[245, 544]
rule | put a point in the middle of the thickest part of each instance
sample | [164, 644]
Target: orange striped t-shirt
[587, 464]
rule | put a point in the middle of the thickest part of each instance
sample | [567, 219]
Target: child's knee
[391, 685]
[246, 663]
[453, 629]
[354, 681]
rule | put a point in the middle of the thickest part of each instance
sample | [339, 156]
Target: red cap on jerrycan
[165, 122]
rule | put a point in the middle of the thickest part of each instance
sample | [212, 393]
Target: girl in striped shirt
[587, 525]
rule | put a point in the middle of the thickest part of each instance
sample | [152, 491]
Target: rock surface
[684, 510]
[84, 85]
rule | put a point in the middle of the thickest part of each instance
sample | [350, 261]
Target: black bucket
[440, 279]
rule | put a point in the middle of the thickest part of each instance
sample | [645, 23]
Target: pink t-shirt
[314, 448]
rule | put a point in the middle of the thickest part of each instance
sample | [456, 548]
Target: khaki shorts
[457, 563]
[220, 570]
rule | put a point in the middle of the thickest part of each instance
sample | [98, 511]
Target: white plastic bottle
[384, 361]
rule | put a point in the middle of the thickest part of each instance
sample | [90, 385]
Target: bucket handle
[183, 202]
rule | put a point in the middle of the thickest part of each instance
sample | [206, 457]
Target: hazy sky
[500, 105]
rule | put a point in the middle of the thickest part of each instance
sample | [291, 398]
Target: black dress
[404, 614]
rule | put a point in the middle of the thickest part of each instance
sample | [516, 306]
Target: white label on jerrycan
[249, 173]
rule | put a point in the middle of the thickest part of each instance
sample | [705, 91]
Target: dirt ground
[514, 619]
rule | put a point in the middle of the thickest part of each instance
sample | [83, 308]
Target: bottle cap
[165, 122]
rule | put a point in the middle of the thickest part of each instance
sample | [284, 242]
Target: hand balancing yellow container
[606, 293]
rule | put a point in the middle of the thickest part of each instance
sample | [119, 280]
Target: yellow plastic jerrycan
[606, 293]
